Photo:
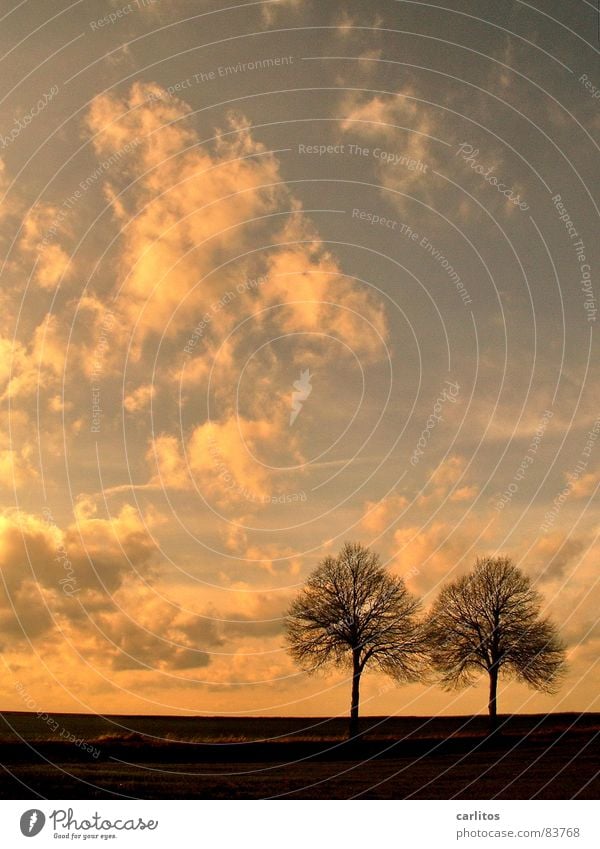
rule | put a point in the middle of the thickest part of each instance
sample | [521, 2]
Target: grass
[549, 756]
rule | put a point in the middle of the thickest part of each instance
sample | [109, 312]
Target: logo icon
[32, 822]
[303, 389]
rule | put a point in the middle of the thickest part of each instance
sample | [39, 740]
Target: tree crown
[352, 611]
[491, 619]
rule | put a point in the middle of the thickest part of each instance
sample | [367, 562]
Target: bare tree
[489, 621]
[352, 612]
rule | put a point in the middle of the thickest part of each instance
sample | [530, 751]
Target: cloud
[378, 515]
[443, 483]
[448, 472]
[219, 459]
[56, 582]
[147, 632]
[27, 550]
[255, 615]
[429, 554]
[186, 210]
[192, 207]
[557, 553]
[399, 124]
[273, 558]
[584, 486]
[222, 456]
[406, 123]
[345, 22]
[24, 615]
[165, 454]
[87, 561]
[149, 635]
[140, 398]
[17, 450]
[26, 369]
[315, 297]
[15, 465]
[465, 493]
[53, 264]
[275, 8]
[104, 551]
[189, 206]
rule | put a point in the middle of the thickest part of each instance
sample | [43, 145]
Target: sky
[274, 276]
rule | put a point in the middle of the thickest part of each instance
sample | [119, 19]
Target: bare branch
[490, 621]
[351, 610]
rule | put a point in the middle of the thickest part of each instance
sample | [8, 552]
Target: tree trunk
[492, 705]
[356, 670]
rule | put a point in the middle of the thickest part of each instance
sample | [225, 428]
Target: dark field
[74, 756]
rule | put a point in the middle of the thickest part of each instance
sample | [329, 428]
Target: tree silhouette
[489, 621]
[352, 612]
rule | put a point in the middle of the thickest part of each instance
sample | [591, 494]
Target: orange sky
[208, 206]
